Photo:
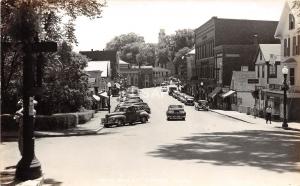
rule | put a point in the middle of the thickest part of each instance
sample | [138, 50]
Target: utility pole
[29, 166]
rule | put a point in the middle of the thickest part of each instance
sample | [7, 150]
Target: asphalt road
[206, 149]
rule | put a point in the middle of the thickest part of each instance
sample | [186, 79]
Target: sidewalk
[250, 119]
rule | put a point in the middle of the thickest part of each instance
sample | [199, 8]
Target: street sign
[253, 81]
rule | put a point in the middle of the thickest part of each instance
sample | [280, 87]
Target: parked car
[189, 101]
[171, 90]
[145, 106]
[124, 115]
[201, 105]
[182, 97]
[164, 89]
[176, 112]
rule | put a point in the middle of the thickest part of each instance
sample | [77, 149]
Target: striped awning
[97, 98]
[215, 92]
[229, 93]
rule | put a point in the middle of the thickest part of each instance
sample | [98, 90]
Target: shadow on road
[270, 150]
[52, 182]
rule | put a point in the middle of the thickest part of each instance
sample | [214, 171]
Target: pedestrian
[268, 114]
[254, 111]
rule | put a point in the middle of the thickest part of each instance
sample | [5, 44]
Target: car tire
[120, 123]
[168, 119]
[183, 119]
[143, 119]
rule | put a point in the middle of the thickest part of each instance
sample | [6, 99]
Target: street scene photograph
[150, 93]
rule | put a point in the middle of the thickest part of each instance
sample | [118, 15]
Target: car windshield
[175, 106]
[121, 109]
[177, 109]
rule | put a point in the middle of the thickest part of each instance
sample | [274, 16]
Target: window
[291, 22]
[258, 71]
[273, 71]
[263, 71]
[298, 46]
[294, 46]
[292, 76]
[289, 47]
[260, 56]
[244, 68]
[285, 47]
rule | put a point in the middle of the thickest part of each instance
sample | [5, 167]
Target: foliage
[36, 20]
[146, 54]
[118, 42]
[171, 48]
[66, 84]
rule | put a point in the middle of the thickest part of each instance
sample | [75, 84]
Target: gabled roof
[98, 66]
[288, 8]
[191, 52]
[268, 49]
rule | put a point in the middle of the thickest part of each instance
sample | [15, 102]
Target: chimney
[255, 39]
[92, 50]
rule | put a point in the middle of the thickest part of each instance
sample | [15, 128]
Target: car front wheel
[120, 123]
[143, 119]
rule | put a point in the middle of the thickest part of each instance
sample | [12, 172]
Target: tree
[146, 55]
[128, 45]
[43, 22]
[118, 42]
[173, 47]
[66, 83]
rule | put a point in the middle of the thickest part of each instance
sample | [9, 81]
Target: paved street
[207, 149]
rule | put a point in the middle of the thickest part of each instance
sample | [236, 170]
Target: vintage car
[125, 114]
[201, 105]
[176, 112]
[164, 89]
[189, 100]
[144, 106]
[171, 90]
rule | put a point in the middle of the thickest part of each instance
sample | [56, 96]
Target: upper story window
[291, 22]
[292, 76]
[273, 71]
[260, 56]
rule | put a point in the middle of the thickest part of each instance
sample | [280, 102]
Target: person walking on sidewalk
[254, 111]
[268, 114]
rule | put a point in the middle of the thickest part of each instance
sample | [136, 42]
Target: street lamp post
[202, 92]
[285, 72]
[108, 94]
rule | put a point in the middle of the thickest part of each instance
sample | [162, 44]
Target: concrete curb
[236, 118]
[41, 134]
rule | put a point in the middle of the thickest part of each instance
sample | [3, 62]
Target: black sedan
[176, 112]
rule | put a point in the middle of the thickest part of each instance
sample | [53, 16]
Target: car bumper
[176, 116]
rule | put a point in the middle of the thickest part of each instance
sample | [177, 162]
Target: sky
[147, 17]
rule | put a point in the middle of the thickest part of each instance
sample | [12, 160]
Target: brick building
[227, 45]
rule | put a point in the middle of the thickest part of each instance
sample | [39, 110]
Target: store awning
[103, 94]
[215, 92]
[97, 98]
[118, 85]
[229, 93]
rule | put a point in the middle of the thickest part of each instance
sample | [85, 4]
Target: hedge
[53, 122]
